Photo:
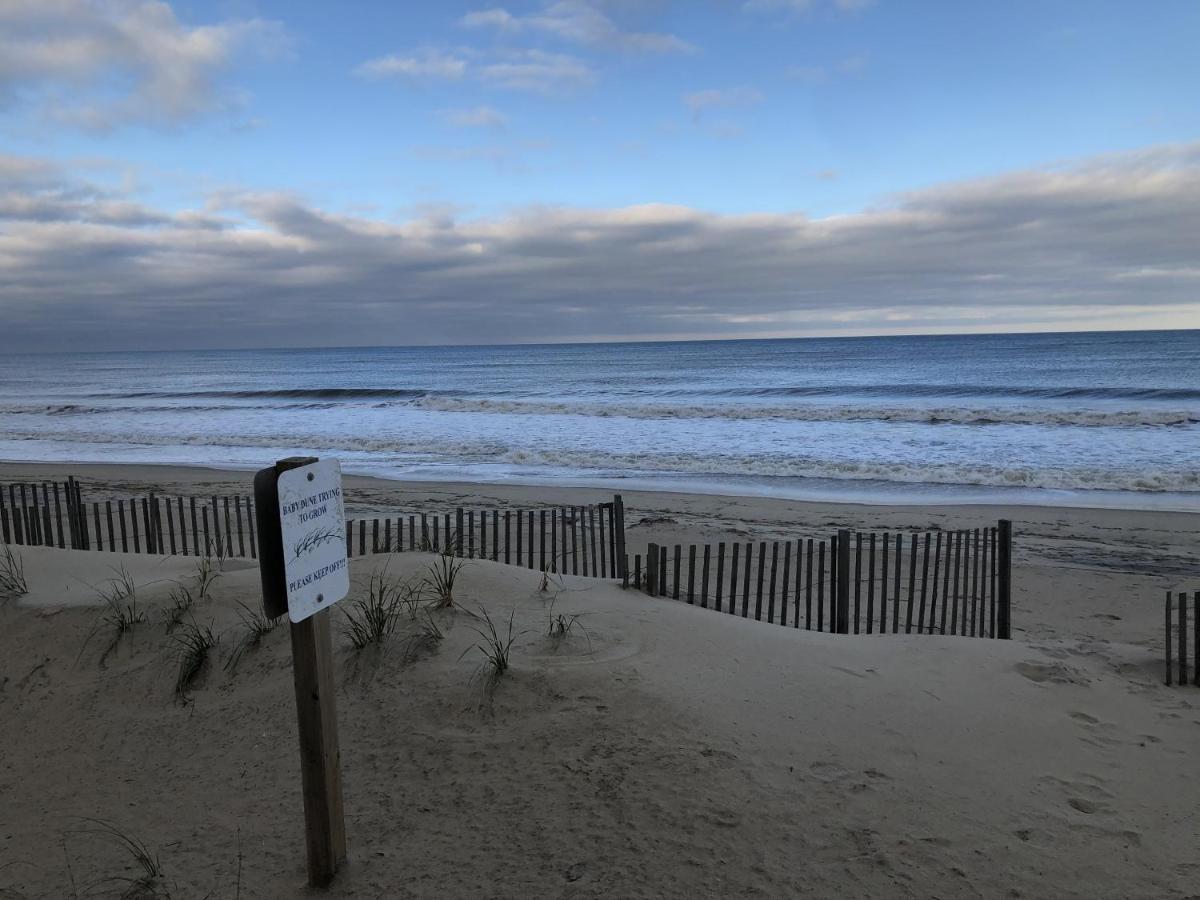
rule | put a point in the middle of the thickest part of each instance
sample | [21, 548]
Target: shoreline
[200, 473]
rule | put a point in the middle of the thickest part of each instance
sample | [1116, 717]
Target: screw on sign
[302, 538]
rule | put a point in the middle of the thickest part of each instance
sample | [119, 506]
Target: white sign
[313, 522]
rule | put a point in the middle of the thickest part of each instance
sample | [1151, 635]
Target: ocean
[1090, 419]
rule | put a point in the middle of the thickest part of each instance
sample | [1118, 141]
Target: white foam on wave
[1088, 418]
[939, 415]
[799, 466]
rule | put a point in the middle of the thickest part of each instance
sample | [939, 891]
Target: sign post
[302, 558]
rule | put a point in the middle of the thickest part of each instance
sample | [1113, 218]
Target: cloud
[431, 64]
[1104, 240]
[726, 98]
[537, 71]
[477, 117]
[529, 70]
[580, 22]
[104, 65]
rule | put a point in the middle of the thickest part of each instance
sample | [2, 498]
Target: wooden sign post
[302, 558]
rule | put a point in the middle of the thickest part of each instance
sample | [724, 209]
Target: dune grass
[257, 626]
[372, 619]
[496, 649]
[121, 614]
[182, 601]
[442, 574]
[206, 574]
[562, 626]
[194, 646]
[12, 574]
[151, 880]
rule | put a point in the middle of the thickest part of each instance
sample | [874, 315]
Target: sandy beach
[656, 750]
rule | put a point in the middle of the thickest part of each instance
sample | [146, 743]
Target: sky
[244, 174]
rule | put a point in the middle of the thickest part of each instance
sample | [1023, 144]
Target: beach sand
[666, 750]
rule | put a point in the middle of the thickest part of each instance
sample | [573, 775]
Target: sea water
[1107, 419]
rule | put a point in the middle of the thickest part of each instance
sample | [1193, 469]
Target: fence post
[651, 569]
[1195, 637]
[841, 626]
[619, 529]
[73, 512]
[1167, 636]
[83, 529]
[1004, 612]
[1183, 679]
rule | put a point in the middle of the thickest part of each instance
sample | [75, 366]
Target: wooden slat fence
[935, 582]
[55, 514]
[1177, 638]
[578, 540]
[573, 540]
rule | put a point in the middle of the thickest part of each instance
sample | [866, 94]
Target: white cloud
[530, 70]
[1104, 240]
[418, 64]
[102, 65]
[578, 21]
[476, 117]
[537, 71]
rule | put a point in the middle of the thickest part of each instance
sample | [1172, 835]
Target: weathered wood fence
[957, 582]
[935, 582]
[578, 540]
[575, 540]
[54, 514]
[1176, 621]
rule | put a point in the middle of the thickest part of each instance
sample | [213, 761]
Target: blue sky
[829, 109]
[382, 114]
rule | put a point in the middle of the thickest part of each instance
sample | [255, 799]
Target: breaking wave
[328, 393]
[956, 391]
[938, 415]
[926, 416]
[416, 452]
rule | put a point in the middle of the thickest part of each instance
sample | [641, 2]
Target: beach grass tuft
[427, 636]
[182, 601]
[496, 649]
[441, 578]
[194, 646]
[257, 626]
[121, 614]
[562, 626]
[206, 574]
[151, 882]
[372, 619]
[12, 574]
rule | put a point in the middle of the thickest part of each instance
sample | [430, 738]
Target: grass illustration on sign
[315, 539]
[311, 508]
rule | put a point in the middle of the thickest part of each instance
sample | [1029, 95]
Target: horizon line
[609, 342]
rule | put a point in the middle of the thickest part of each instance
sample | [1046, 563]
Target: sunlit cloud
[1101, 240]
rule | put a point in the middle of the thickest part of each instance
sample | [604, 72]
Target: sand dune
[665, 750]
